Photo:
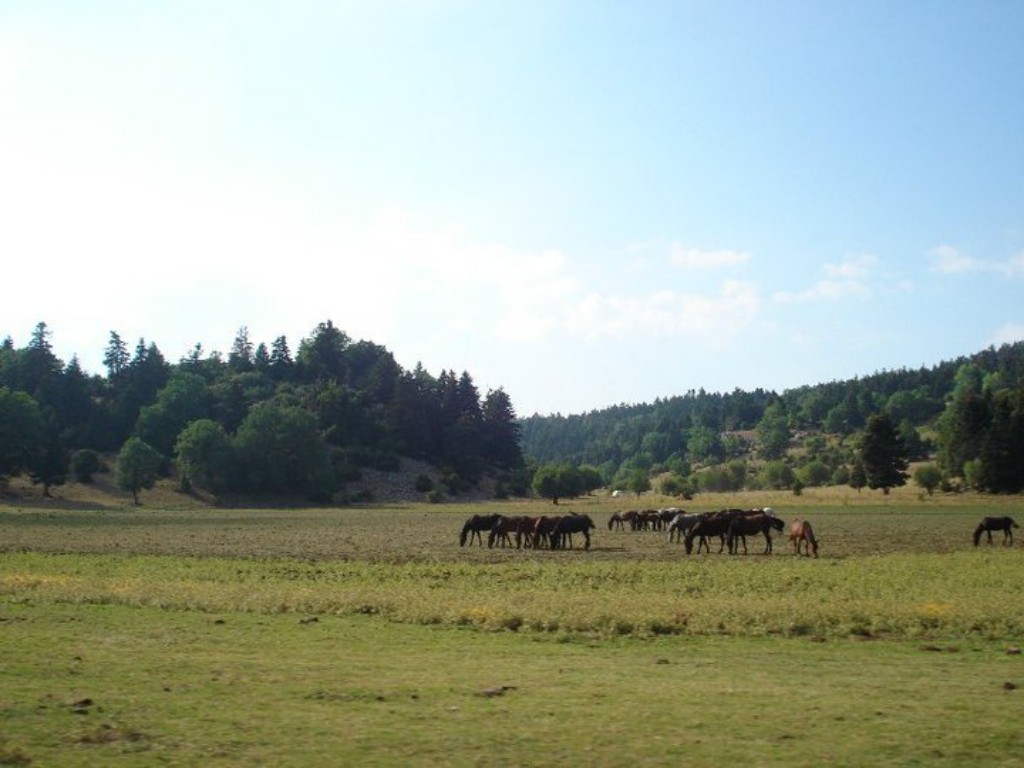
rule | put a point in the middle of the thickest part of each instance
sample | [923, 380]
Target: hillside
[372, 487]
[814, 423]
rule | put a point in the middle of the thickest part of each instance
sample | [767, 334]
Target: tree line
[963, 418]
[261, 421]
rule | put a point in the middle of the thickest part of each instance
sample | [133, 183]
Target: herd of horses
[730, 526]
[546, 531]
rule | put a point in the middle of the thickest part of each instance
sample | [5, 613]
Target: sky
[583, 203]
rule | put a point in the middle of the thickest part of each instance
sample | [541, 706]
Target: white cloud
[948, 260]
[708, 319]
[1007, 334]
[692, 258]
[853, 268]
[846, 279]
[1014, 266]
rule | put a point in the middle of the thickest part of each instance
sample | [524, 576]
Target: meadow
[197, 635]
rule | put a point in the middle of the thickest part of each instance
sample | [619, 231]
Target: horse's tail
[977, 533]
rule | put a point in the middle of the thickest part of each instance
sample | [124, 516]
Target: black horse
[474, 526]
[710, 524]
[567, 526]
[744, 525]
[989, 524]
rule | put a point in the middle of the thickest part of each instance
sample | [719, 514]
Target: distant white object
[617, 494]
[769, 511]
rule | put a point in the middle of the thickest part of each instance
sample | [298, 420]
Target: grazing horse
[743, 525]
[714, 524]
[567, 526]
[615, 521]
[630, 518]
[502, 529]
[649, 520]
[710, 524]
[800, 533]
[680, 524]
[989, 524]
[540, 530]
[474, 525]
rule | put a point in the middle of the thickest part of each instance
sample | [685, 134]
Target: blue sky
[584, 203]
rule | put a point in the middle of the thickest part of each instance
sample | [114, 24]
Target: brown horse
[474, 526]
[619, 520]
[714, 524]
[541, 530]
[710, 524]
[503, 529]
[801, 533]
[989, 524]
[745, 525]
[680, 524]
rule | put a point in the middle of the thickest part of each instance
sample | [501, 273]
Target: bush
[814, 473]
[423, 484]
[84, 464]
[928, 476]
[455, 484]
[841, 476]
[435, 496]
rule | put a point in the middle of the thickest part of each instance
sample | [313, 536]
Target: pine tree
[501, 431]
[883, 453]
[116, 356]
[240, 358]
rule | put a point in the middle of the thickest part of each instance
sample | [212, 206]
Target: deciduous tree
[138, 467]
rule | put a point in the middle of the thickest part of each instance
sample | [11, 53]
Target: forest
[964, 419]
[262, 422]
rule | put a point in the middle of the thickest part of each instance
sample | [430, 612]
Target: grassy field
[198, 636]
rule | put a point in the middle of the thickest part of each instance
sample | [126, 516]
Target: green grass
[369, 637]
[188, 688]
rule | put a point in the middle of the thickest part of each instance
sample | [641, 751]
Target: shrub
[423, 484]
[814, 473]
[928, 476]
[84, 464]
